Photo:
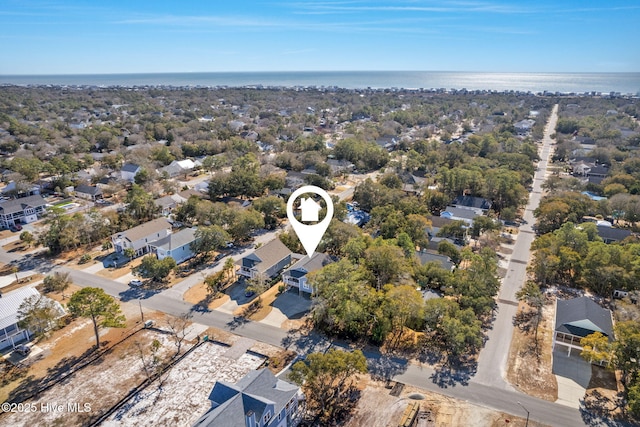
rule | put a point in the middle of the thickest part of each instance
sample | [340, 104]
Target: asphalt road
[492, 362]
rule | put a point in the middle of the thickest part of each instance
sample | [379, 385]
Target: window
[266, 418]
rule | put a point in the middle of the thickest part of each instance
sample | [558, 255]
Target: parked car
[135, 283]
[23, 349]
[15, 227]
[249, 294]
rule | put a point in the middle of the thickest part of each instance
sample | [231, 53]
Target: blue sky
[138, 36]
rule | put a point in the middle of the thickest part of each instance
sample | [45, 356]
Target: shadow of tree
[31, 386]
[385, 367]
[455, 371]
[237, 322]
[597, 409]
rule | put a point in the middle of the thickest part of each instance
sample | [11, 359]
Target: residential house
[431, 256]
[23, 210]
[453, 213]
[11, 334]
[523, 127]
[259, 399]
[88, 192]
[168, 203]
[179, 167]
[294, 179]
[268, 260]
[175, 245]
[296, 275]
[139, 237]
[340, 166]
[477, 204]
[388, 142]
[575, 319]
[129, 171]
[611, 234]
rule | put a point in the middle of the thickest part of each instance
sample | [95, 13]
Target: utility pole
[527, 422]
[141, 312]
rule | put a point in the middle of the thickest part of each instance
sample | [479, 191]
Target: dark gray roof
[307, 265]
[267, 255]
[460, 212]
[472, 202]
[17, 205]
[443, 260]
[88, 189]
[129, 167]
[253, 393]
[583, 316]
[611, 233]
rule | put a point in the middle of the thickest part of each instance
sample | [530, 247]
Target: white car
[135, 283]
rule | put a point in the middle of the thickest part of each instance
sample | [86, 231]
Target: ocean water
[626, 83]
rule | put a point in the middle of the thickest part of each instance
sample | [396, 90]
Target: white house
[128, 171]
[179, 167]
[175, 245]
[88, 192]
[11, 334]
[23, 210]
[296, 275]
[138, 238]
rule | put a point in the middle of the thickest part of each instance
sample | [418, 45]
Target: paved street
[492, 362]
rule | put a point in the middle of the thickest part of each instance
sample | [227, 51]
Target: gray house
[268, 260]
[259, 399]
[441, 260]
[296, 275]
[611, 234]
[88, 192]
[575, 319]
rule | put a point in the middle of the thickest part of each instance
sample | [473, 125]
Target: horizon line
[311, 71]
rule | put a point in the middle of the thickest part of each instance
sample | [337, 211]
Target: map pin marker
[310, 235]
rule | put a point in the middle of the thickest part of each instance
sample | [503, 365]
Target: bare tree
[179, 329]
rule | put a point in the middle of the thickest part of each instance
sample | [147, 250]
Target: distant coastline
[623, 83]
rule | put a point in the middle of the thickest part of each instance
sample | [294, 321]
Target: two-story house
[138, 238]
[296, 275]
[11, 334]
[259, 399]
[23, 210]
[268, 260]
[175, 245]
[129, 171]
[575, 319]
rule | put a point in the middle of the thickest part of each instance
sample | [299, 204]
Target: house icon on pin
[310, 209]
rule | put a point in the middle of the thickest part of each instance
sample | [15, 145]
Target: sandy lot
[526, 371]
[377, 408]
[183, 397]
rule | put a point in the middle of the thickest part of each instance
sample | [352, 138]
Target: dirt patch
[198, 294]
[67, 347]
[95, 388]
[378, 408]
[529, 372]
[114, 273]
[24, 281]
[267, 298]
[17, 246]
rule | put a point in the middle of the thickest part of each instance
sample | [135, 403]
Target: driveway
[287, 306]
[573, 374]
